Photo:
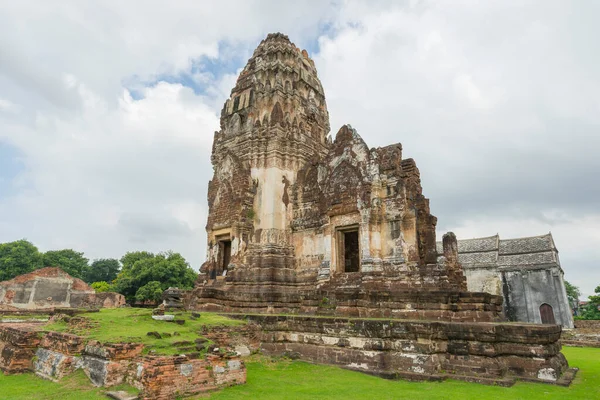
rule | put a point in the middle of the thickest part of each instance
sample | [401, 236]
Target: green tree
[17, 258]
[70, 261]
[573, 294]
[129, 259]
[151, 291]
[141, 268]
[596, 298]
[102, 286]
[104, 269]
[590, 310]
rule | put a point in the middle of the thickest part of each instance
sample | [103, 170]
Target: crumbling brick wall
[170, 377]
[51, 287]
[17, 348]
[54, 355]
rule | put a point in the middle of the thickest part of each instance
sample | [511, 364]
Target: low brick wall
[170, 377]
[483, 352]
[587, 324]
[55, 355]
[65, 343]
[585, 334]
[17, 348]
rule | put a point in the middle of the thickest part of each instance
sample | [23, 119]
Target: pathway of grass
[74, 387]
[133, 324]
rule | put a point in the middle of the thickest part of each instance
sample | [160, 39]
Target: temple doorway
[547, 314]
[225, 247]
[349, 249]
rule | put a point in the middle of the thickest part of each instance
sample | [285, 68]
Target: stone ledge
[488, 353]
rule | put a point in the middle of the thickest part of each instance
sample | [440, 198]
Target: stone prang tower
[290, 209]
[275, 122]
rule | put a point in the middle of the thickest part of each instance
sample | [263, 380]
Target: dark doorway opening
[351, 251]
[225, 254]
[547, 314]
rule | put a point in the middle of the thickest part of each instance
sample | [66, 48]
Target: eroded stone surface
[499, 353]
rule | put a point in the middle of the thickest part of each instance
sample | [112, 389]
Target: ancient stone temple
[302, 224]
[290, 209]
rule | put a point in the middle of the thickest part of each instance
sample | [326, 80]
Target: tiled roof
[474, 245]
[489, 257]
[478, 244]
[546, 257]
[526, 245]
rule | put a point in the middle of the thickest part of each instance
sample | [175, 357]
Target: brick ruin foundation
[585, 334]
[299, 223]
[50, 288]
[54, 355]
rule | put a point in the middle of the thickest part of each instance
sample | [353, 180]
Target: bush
[151, 291]
[141, 268]
[102, 286]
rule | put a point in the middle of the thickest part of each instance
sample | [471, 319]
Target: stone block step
[122, 395]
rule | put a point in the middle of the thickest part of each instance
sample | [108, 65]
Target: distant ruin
[49, 288]
[302, 224]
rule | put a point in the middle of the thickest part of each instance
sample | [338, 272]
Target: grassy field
[298, 380]
[133, 324]
[74, 387]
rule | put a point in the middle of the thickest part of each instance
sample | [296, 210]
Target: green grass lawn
[133, 324]
[298, 380]
[29, 387]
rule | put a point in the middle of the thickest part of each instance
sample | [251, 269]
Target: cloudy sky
[107, 113]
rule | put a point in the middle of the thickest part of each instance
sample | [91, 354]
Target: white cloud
[8, 106]
[497, 102]
[109, 180]
[106, 172]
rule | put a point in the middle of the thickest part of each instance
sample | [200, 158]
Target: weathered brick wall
[587, 324]
[49, 288]
[56, 355]
[65, 343]
[170, 377]
[17, 348]
[487, 353]
[53, 365]
[585, 334]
